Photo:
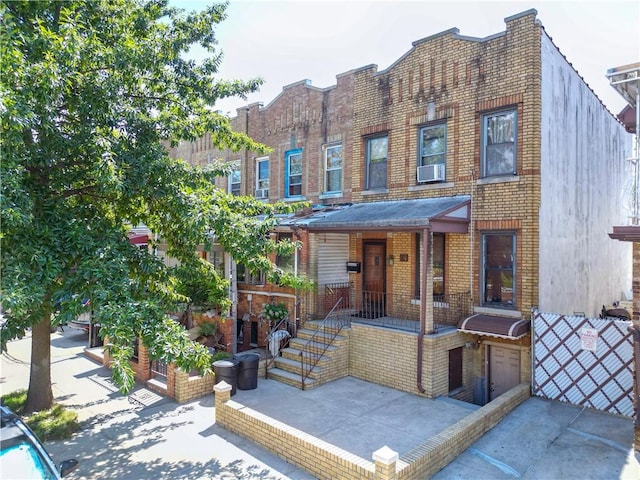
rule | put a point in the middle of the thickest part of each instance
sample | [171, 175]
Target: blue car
[22, 455]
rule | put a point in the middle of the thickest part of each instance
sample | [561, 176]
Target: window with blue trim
[499, 135]
[293, 173]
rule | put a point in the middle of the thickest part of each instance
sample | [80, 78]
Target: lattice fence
[584, 361]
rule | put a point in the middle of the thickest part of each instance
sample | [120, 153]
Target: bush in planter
[207, 329]
[275, 312]
[220, 356]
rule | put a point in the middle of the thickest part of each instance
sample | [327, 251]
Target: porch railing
[321, 340]
[396, 310]
[449, 310]
[159, 369]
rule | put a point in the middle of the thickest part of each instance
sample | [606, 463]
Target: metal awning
[139, 239]
[443, 214]
[494, 326]
[626, 81]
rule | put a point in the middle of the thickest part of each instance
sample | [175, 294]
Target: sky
[284, 42]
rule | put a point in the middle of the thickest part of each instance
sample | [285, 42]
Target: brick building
[479, 174]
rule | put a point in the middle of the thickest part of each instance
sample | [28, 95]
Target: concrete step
[295, 380]
[315, 347]
[308, 334]
[293, 353]
[293, 366]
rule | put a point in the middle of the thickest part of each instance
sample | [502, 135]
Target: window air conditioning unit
[262, 192]
[431, 173]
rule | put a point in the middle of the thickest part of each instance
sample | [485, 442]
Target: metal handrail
[269, 361]
[314, 353]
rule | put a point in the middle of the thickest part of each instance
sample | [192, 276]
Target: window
[376, 174]
[262, 177]
[245, 276]
[498, 279]
[433, 145]
[234, 180]
[286, 262]
[333, 169]
[293, 178]
[437, 261]
[438, 264]
[499, 143]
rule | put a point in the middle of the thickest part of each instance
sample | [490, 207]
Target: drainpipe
[426, 258]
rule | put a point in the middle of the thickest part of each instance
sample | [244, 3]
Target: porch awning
[493, 326]
[139, 239]
[443, 214]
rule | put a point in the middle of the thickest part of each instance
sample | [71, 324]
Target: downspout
[426, 257]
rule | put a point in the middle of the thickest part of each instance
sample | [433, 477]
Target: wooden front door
[504, 370]
[373, 304]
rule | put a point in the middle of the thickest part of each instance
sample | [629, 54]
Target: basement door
[504, 370]
[373, 296]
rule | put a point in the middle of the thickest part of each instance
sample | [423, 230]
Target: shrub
[207, 329]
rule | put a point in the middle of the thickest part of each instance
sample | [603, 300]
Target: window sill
[299, 198]
[501, 312]
[430, 186]
[498, 179]
[379, 191]
[324, 196]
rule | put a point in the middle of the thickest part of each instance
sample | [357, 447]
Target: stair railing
[319, 342]
[268, 340]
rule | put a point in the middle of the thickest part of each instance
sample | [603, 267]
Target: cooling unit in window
[262, 192]
[431, 173]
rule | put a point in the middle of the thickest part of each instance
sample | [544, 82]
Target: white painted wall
[583, 167]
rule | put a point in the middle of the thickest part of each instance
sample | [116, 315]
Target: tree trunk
[40, 395]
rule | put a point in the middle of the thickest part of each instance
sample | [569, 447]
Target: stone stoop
[287, 368]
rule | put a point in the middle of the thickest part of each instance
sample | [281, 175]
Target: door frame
[488, 348]
[376, 304]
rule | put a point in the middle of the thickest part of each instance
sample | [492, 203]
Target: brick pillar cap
[385, 455]
[222, 387]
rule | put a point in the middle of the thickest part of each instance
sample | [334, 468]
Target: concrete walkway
[155, 438]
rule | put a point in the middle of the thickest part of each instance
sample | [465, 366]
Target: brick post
[385, 460]
[222, 394]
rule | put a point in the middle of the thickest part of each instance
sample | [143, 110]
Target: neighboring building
[480, 175]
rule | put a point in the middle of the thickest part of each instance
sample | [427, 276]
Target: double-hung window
[286, 262]
[293, 173]
[499, 269]
[437, 261]
[499, 134]
[333, 169]
[262, 177]
[376, 162]
[234, 180]
[432, 153]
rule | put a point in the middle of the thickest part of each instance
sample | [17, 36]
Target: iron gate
[583, 361]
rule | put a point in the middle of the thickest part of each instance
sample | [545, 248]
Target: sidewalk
[125, 440]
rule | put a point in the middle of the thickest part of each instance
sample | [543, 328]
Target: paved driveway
[160, 439]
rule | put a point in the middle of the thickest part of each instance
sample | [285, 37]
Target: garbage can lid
[224, 363]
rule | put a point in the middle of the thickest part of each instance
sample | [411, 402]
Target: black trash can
[227, 370]
[248, 371]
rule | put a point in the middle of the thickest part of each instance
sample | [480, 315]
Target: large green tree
[92, 92]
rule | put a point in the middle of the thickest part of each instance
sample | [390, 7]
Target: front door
[504, 370]
[373, 300]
